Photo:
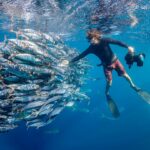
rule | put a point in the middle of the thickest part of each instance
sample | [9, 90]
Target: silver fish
[25, 87]
[6, 128]
[45, 110]
[56, 111]
[27, 46]
[36, 70]
[34, 104]
[12, 79]
[49, 101]
[37, 124]
[28, 58]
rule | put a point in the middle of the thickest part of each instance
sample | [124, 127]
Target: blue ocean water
[91, 126]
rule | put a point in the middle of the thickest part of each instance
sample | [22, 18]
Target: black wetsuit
[102, 51]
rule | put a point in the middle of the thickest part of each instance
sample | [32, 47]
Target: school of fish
[35, 86]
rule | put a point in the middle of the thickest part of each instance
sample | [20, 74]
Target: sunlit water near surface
[87, 125]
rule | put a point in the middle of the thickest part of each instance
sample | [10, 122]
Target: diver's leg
[108, 85]
[108, 75]
[111, 104]
[128, 78]
[143, 94]
[121, 72]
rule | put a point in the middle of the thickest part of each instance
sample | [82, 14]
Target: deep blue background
[96, 129]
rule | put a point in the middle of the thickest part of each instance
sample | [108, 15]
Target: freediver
[100, 46]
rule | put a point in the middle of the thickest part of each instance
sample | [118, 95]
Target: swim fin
[113, 107]
[144, 95]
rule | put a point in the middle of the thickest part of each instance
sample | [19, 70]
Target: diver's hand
[130, 49]
[64, 63]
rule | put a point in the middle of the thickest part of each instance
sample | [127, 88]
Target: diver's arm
[82, 55]
[65, 63]
[116, 42]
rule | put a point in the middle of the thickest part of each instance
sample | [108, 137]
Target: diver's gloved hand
[131, 49]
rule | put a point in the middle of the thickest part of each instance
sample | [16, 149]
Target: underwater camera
[137, 58]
